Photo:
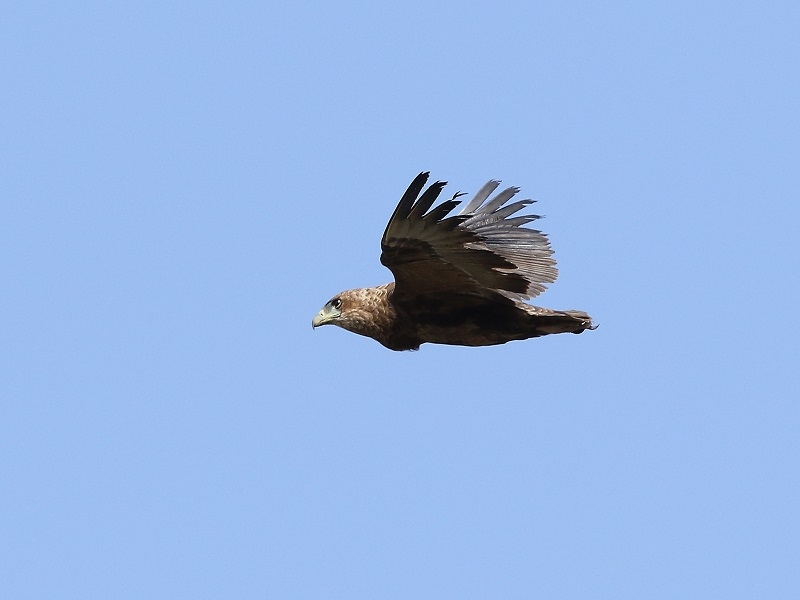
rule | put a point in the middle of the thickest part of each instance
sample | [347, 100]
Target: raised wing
[481, 251]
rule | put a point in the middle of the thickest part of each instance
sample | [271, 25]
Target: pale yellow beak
[327, 315]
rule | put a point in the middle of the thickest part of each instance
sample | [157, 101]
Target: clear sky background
[184, 185]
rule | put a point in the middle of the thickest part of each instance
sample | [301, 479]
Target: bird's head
[362, 311]
[330, 313]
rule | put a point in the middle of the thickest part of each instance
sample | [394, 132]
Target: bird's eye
[336, 303]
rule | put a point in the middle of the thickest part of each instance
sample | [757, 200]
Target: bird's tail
[546, 321]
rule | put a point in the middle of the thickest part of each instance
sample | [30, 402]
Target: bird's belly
[467, 334]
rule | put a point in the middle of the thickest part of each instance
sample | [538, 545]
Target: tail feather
[546, 321]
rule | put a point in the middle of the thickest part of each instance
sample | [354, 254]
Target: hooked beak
[323, 317]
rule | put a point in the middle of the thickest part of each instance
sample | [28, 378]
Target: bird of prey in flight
[460, 279]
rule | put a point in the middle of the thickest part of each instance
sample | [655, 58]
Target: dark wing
[481, 251]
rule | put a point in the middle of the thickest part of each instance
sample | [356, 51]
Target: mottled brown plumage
[459, 279]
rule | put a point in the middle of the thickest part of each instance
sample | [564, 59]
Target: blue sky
[185, 184]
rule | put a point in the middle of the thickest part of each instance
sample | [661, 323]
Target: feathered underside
[459, 278]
